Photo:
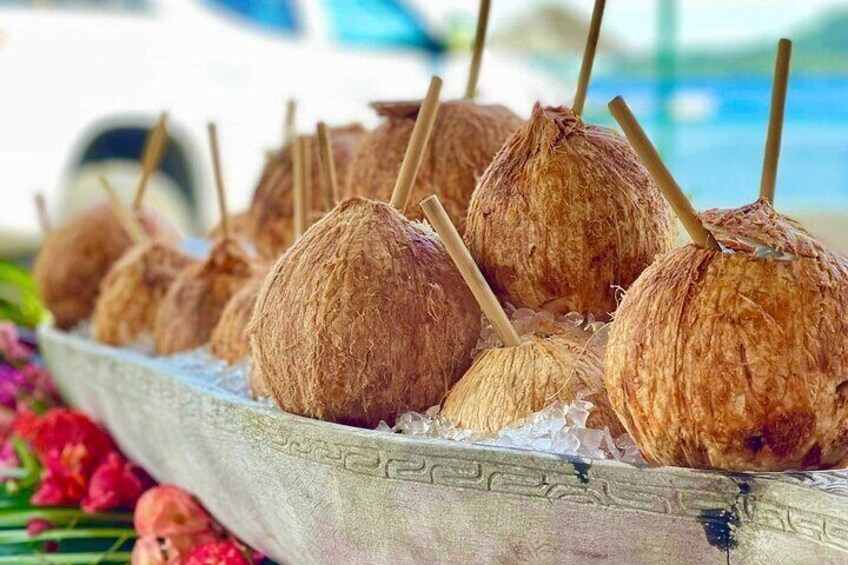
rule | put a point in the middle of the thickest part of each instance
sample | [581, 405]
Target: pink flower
[63, 427]
[38, 526]
[114, 484]
[217, 553]
[8, 456]
[148, 551]
[166, 511]
[10, 344]
[64, 480]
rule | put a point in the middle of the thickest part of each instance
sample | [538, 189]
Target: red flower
[217, 553]
[166, 511]
[60, 428]
[114, 484]
[38, 526]
[65, 477]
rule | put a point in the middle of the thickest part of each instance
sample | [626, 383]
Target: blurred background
[84, 79]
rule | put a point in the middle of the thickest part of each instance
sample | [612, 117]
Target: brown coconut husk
[464, 139]
[76, 257]
[133, 289]
[240, 226]
[507, 384]
[736, 361]
[364, 317]
[196, 299]
[272, 208]
[564, 214]
[229, 339]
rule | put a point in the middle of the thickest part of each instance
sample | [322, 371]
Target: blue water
[716, 155]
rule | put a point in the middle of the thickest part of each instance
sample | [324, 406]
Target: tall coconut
[565, 214]
[732, 352]
[365, 316]
[195, 300]
[507, 384]
[465, 137]
[75, 257]
[133, 289]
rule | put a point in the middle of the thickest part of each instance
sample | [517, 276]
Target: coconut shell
[133, 289]
[507, 384]
[194, 303]
[364, 317]
[564, 214]
[733, 360]
[229, 339]
[464, 139]
[272, 208]
[76, 257]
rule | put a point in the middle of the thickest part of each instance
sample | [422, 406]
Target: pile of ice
[560, 428]
[528, 322]
[201, 365]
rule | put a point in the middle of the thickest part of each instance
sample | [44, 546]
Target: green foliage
[19, 300]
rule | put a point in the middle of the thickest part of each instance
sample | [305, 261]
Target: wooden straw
[668, 186]
[298, 190]
[417, 144]
[291, 117]
[127, 219]
[470, 271]
[588, 57]
[219, 179]
[306, 171]
[775, 127]
[477, 57]
[328, 167]
[154, 150]
[43, 216]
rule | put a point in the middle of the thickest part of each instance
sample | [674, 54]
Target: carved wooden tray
[305, 491]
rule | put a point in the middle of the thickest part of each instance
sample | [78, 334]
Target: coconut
[737, 360]
[565, 214]
[465, 137]
[75, 258]
[229, 339]
[507, 384]
[364, 317]
[194, 303]
[272, 210]
[132, 291]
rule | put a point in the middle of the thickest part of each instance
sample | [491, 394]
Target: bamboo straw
[127, 219]
[669, 187]
[417, 144]
[306, 171]
[470, 271]
[291, 118]
[298, 190]
[219, 179]
[328, 167]
[775, 127]
[588, 57]
[43, 216]
[477, 56]
[154, 150]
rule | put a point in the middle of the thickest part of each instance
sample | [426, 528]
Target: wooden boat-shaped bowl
[305, 491]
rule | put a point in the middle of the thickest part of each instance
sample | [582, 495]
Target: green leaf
[22, 536]
[65, 558]
[60, 516]
[19, 299]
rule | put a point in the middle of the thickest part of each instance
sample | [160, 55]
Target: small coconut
[75, 258]
[737, 360]
[272, 209]
[507, 384]
[464, 139]
[564, 214]
[364, 317]
[132, 291]
[194, 303]
[229, 339]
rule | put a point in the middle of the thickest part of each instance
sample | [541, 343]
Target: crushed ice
[560, 428]
[201, 365]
